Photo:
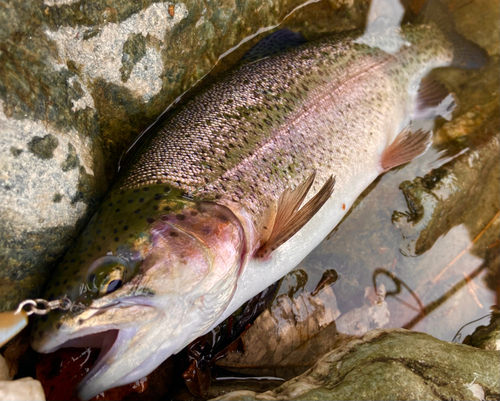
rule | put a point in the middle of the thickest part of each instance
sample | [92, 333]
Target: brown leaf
[289, 338]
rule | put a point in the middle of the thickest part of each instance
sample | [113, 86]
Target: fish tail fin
[467, 54]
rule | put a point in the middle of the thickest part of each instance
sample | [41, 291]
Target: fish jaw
[191, 261]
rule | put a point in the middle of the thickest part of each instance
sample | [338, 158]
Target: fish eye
[110, 286]
[106, 275]
[113, 286]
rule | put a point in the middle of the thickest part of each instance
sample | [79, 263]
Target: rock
[78, 83]
[393, 364]
[21, 390]
[451, 194]
[4, 370]
[486, 337]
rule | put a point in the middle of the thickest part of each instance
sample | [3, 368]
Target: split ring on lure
[12, 322]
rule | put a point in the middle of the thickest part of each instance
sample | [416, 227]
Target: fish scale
[209, 213]
[222, 145]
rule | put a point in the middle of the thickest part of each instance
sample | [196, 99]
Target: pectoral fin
[406, 147]
[289, 218]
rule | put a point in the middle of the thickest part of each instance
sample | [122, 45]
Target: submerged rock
[393, 364]
[486, 337]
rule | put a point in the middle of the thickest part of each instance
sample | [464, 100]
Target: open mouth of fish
[106, 341]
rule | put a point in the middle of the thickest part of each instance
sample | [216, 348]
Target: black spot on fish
[103, 237]
[164, 218]
[98, 231]
[166, 189]
[57, 283]
[167, 209]
[117, 210]
[137, 211]
[130, 200]
[110, 204]
[117, 239]
[150, 220]
[125, 228]
[65, 268]
[65, 281]
[174, 234]
[145, 189]
[136, 191]
[155, 207]
[82, 262]
[180, 217]
[158, 197]
[98, 248]
[89, 255]
[141, 200]
[58, 325]
[115, 231]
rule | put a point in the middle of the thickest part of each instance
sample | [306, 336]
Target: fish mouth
[104, 340]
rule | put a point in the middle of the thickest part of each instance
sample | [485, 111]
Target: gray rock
[393, 364]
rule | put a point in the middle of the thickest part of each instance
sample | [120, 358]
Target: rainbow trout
[236, 188]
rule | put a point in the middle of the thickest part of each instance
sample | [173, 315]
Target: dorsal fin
[274, 43]
[406, 147]
[289, 218]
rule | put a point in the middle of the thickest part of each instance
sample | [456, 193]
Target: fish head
[143, 284]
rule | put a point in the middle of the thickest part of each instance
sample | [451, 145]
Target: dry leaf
[289, 338]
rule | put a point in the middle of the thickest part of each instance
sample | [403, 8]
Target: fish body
[174, 248]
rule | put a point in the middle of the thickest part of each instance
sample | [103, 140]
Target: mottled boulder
[393, 365]
[80, 80]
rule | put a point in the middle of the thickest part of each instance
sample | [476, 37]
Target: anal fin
[407, 146]
[289, 218]
[433, 99]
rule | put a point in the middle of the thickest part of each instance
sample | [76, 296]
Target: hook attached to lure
[12, 322]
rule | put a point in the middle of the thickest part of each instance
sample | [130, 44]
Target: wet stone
[393, 364]
[486, 337]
